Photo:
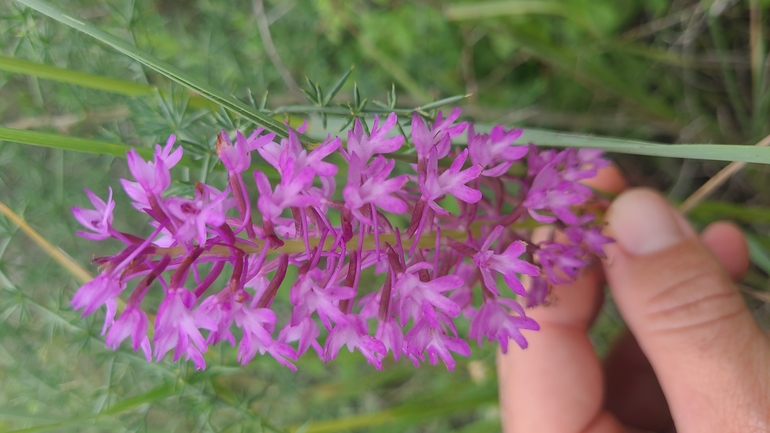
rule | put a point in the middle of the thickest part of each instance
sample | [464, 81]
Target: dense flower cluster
[443, 237]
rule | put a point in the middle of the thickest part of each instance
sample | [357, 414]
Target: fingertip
[643, 222]
[727, 243]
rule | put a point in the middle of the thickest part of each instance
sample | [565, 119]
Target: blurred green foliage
[672, 71]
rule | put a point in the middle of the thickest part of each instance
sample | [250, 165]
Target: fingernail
[643, 222]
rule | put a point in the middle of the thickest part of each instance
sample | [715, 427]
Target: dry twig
[716, 181]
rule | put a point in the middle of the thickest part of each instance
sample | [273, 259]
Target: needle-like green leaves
[717, 152]
[163, 68]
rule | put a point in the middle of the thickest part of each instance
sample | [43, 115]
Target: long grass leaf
[64, 142]
[495, 9]
[177, 75]
[56, 141]
[709, 211]
[713, 152]
[69, 76]
[91, 81]
[86, 145]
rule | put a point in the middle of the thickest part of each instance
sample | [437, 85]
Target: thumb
[711, 358]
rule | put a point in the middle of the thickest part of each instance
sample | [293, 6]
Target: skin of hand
[693, 358]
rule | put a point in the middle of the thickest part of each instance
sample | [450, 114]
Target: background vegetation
[671, 71]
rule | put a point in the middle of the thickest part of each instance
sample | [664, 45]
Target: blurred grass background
[677, 71]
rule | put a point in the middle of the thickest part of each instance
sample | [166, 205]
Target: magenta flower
[155, 176]
[416, 294]
[377, 189]
[255, 323]
[287, 194]
[353, 333]
[424, 139]
[305, 332]
[496, 322]
[591, 237]
[508, 264]
[538, 159]
[377, 142]
[451, 181]
[132, 322]
[199, 213]
[439, 136]
[308, 297]
[429, 336]
[550, 192]
[292, 149]
[447, 125]
[98, 220]
[236, 158]
[582, 163]
[495, 151]
[392, 337]
[538, 292]
[137, 194]
[463, 295]
[177, 327]
[561, 263]
[97, 292]
[168, 154]
[219, 309]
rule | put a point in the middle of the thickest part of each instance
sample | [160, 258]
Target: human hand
[701, 363]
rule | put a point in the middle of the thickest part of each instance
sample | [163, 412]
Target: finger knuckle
[696, 302]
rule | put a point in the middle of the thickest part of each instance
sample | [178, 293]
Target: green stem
[427, 240]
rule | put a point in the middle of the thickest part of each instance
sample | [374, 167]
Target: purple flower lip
[384, 263]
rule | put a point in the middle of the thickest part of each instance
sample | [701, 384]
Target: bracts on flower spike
[386, 264]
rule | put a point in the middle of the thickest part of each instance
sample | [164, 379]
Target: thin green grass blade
[69, 76]
[709, 211]
[86, 145]
[90, 81]
[713, 152]
[56, 141]
[163, 68]
[495, 9]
